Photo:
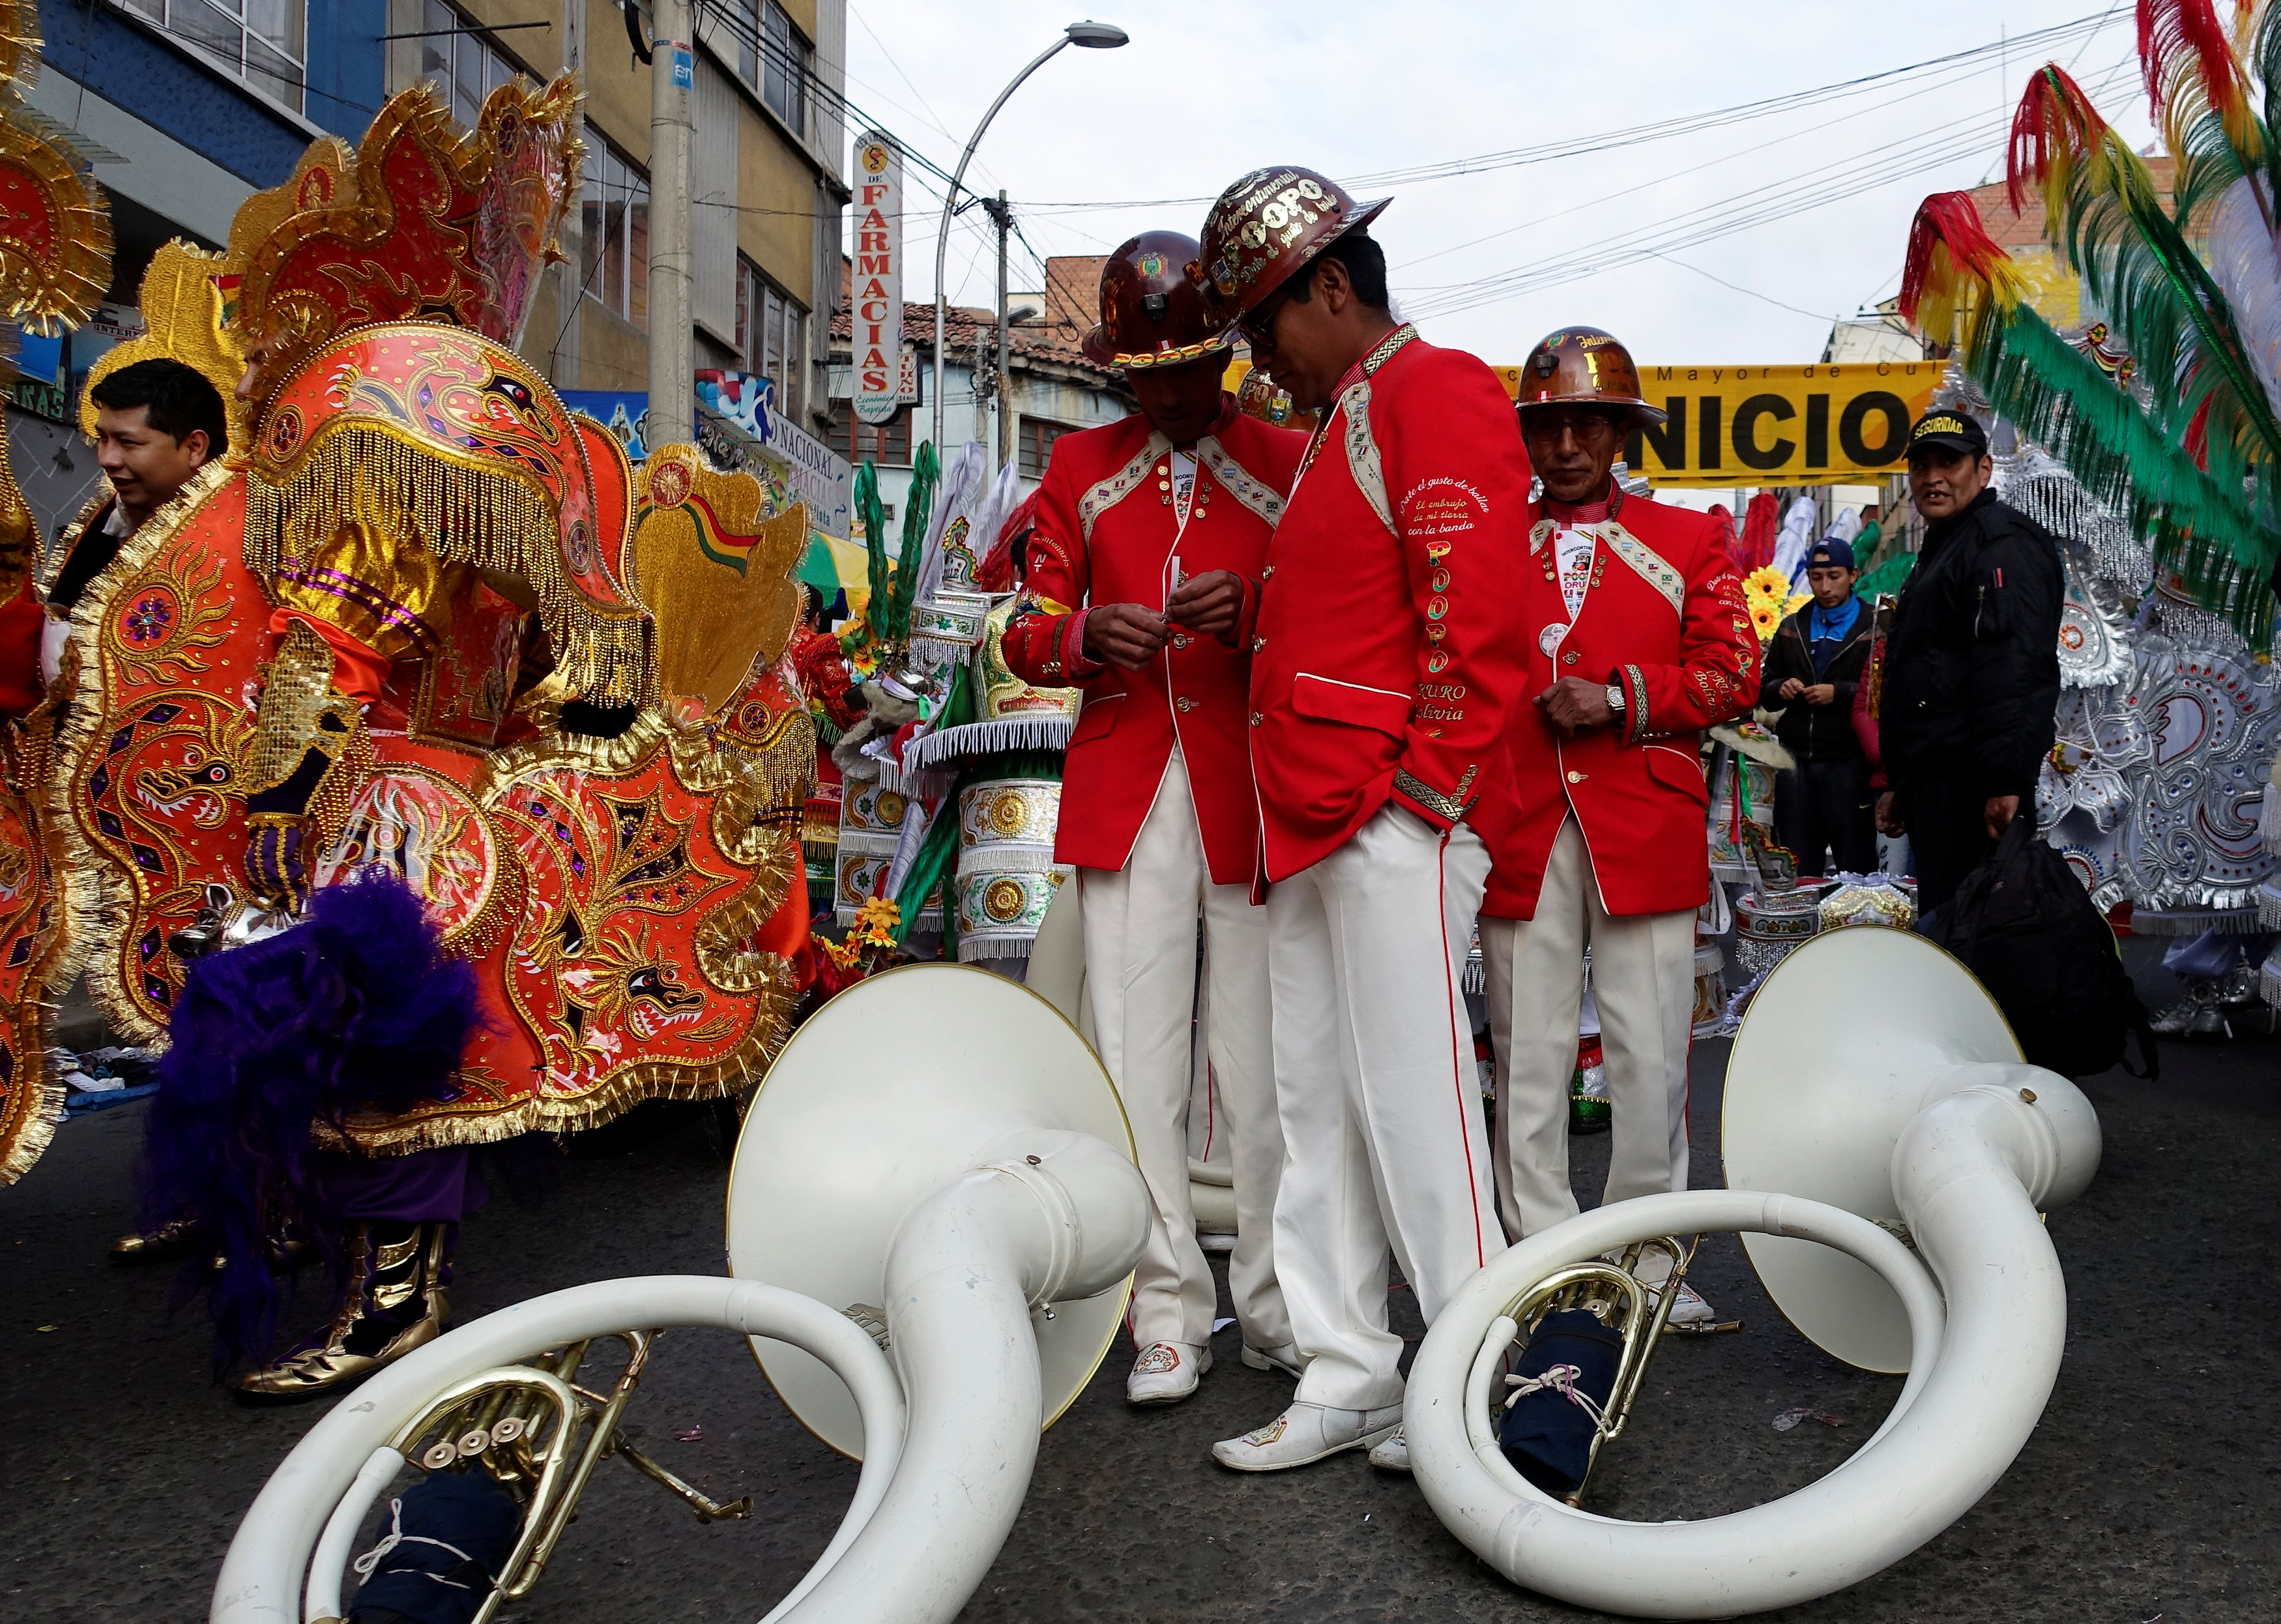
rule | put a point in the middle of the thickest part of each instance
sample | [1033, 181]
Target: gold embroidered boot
[395, 1303]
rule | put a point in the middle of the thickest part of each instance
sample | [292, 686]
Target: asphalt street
[2151, 1490]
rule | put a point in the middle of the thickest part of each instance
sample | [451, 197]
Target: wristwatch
[1616, 697]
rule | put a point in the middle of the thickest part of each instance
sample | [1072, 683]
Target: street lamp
[1089, 34]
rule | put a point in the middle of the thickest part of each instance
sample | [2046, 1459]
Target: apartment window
[887, 444]
[772, 57]
[467, 69]
[1036, 445]
[614, 224]
[772, 333]
[744, 23]
[788, 62]
[265, 43]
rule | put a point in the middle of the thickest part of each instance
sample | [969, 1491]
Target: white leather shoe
[1305, 1433]
[1285, 1358]
[1392, 1451]
[1166, 1373]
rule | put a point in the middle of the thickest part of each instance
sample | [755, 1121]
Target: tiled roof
[1072, 284]
[2025, 229]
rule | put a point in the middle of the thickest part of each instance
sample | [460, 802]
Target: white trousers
[1643, 980]
[1141, 974]
[1383, 1142]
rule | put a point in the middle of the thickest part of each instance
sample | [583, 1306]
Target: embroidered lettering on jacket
[1442, 506]
[1122, 484]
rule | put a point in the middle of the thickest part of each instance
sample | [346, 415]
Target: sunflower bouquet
[1766, 594]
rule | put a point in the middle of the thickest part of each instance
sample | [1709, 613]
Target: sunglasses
[1258, 327]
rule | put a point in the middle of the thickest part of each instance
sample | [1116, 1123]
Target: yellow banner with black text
[1824, 423]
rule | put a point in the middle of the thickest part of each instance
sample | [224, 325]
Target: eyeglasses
[1258, 327]
[1585, 422]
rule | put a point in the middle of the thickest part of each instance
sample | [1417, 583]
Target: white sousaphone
[1888, 1155]
[935, 1166]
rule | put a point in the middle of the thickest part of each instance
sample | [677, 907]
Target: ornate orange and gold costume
[418, 563]
[426, 620]
[55, 263]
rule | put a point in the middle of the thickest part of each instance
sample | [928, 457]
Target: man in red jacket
[1637, 639]
[1150, 537]
[1384, 667]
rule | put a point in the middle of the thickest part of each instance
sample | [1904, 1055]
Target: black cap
[1950, 430]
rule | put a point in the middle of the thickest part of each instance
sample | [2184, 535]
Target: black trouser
[1948, 835]
[1826, 807]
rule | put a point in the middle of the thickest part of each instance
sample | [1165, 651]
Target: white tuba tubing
[262, 1576]
[1064, 1216]
[1969, 1173]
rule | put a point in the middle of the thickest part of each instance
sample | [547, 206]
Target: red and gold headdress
[423, 221]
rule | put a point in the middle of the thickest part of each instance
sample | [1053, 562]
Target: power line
[1758, 205]
[1659, 130]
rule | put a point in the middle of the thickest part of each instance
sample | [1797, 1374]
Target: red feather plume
[1947, 220]
[2055, 128]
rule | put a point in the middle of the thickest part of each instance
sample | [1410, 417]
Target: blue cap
[1831, 552]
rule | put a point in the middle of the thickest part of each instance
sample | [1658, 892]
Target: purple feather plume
[356, 1008]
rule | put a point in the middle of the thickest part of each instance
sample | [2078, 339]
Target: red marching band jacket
[1385, 661]
[1107, 532]
[1663, 615]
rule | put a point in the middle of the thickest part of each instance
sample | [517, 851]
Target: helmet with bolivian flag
[1583, 365]
[1272, 222]
[1151, 315]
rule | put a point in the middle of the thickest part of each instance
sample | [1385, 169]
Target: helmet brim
[1354, 219]
[1102, 352]
[1642, 413]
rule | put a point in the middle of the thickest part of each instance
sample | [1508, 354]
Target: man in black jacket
[1822, 808]
[1971, 677]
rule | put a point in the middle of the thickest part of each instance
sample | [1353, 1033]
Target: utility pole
[1004, 217]
[672, 297]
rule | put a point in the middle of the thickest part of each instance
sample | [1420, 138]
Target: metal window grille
[265, 43]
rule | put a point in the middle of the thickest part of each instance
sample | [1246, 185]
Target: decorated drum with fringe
[999, 913]
[1767, 930]
[1742, 791]
[1878, 900]
[1008, 814]
[1006, 871]
[870, 827]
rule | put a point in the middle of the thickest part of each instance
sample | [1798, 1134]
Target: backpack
[2024, 925]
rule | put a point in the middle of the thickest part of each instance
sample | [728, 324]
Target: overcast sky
[1490, 259]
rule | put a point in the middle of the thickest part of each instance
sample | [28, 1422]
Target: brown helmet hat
[1583, 366]
[1269, 224]
[1151, 315]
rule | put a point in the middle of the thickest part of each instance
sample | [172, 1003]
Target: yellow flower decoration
[843, 953]
[1767, 595]
[875, 922]
[1767, 581]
